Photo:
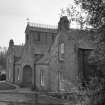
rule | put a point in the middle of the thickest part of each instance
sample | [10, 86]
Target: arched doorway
[27, 76]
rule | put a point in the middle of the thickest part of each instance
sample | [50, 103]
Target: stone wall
[28, 98]
[17, 98]
[71, 60]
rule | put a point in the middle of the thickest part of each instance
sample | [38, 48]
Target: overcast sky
[13, 15]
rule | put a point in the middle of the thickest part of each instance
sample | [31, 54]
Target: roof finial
[28, 21]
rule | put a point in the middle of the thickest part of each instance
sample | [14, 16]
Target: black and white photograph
[52, 52]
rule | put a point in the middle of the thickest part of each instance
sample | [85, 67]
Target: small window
[42, 78]
[18, 74]
[60, 75]
[60, 80]
[62, 48]
[61, 52]
[9, 74]
[36, 37]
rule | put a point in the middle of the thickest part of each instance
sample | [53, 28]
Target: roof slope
[18, 49]
[83, 38]
[44, 59]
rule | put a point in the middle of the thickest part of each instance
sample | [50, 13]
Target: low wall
[24, 97]
[17, 98]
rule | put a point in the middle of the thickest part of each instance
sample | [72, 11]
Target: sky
[14, 14]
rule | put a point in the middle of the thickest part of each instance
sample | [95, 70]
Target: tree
[94, 17]
[76, 14]
[3, 54]
[96, 14]
[96, 10]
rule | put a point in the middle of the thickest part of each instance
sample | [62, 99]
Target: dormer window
[61, 52]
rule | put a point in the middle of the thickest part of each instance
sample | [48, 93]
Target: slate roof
[83, 38]
[85, 44]
[44, 59]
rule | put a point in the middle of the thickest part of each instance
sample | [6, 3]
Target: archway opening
[27, 76]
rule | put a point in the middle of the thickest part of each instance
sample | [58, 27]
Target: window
[9, 74]
[62, 48]
[42, 78]
[60, 75]
[60, 80]
[36, 36]
[61, 52]
[18, 74]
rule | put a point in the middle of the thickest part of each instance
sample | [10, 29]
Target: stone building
[52, 59]
[21, 60]
[69, 57]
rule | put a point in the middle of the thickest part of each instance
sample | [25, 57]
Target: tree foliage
[3, 59]
[76, 14]
[96, 19]
[94, 11]
[96, 14]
